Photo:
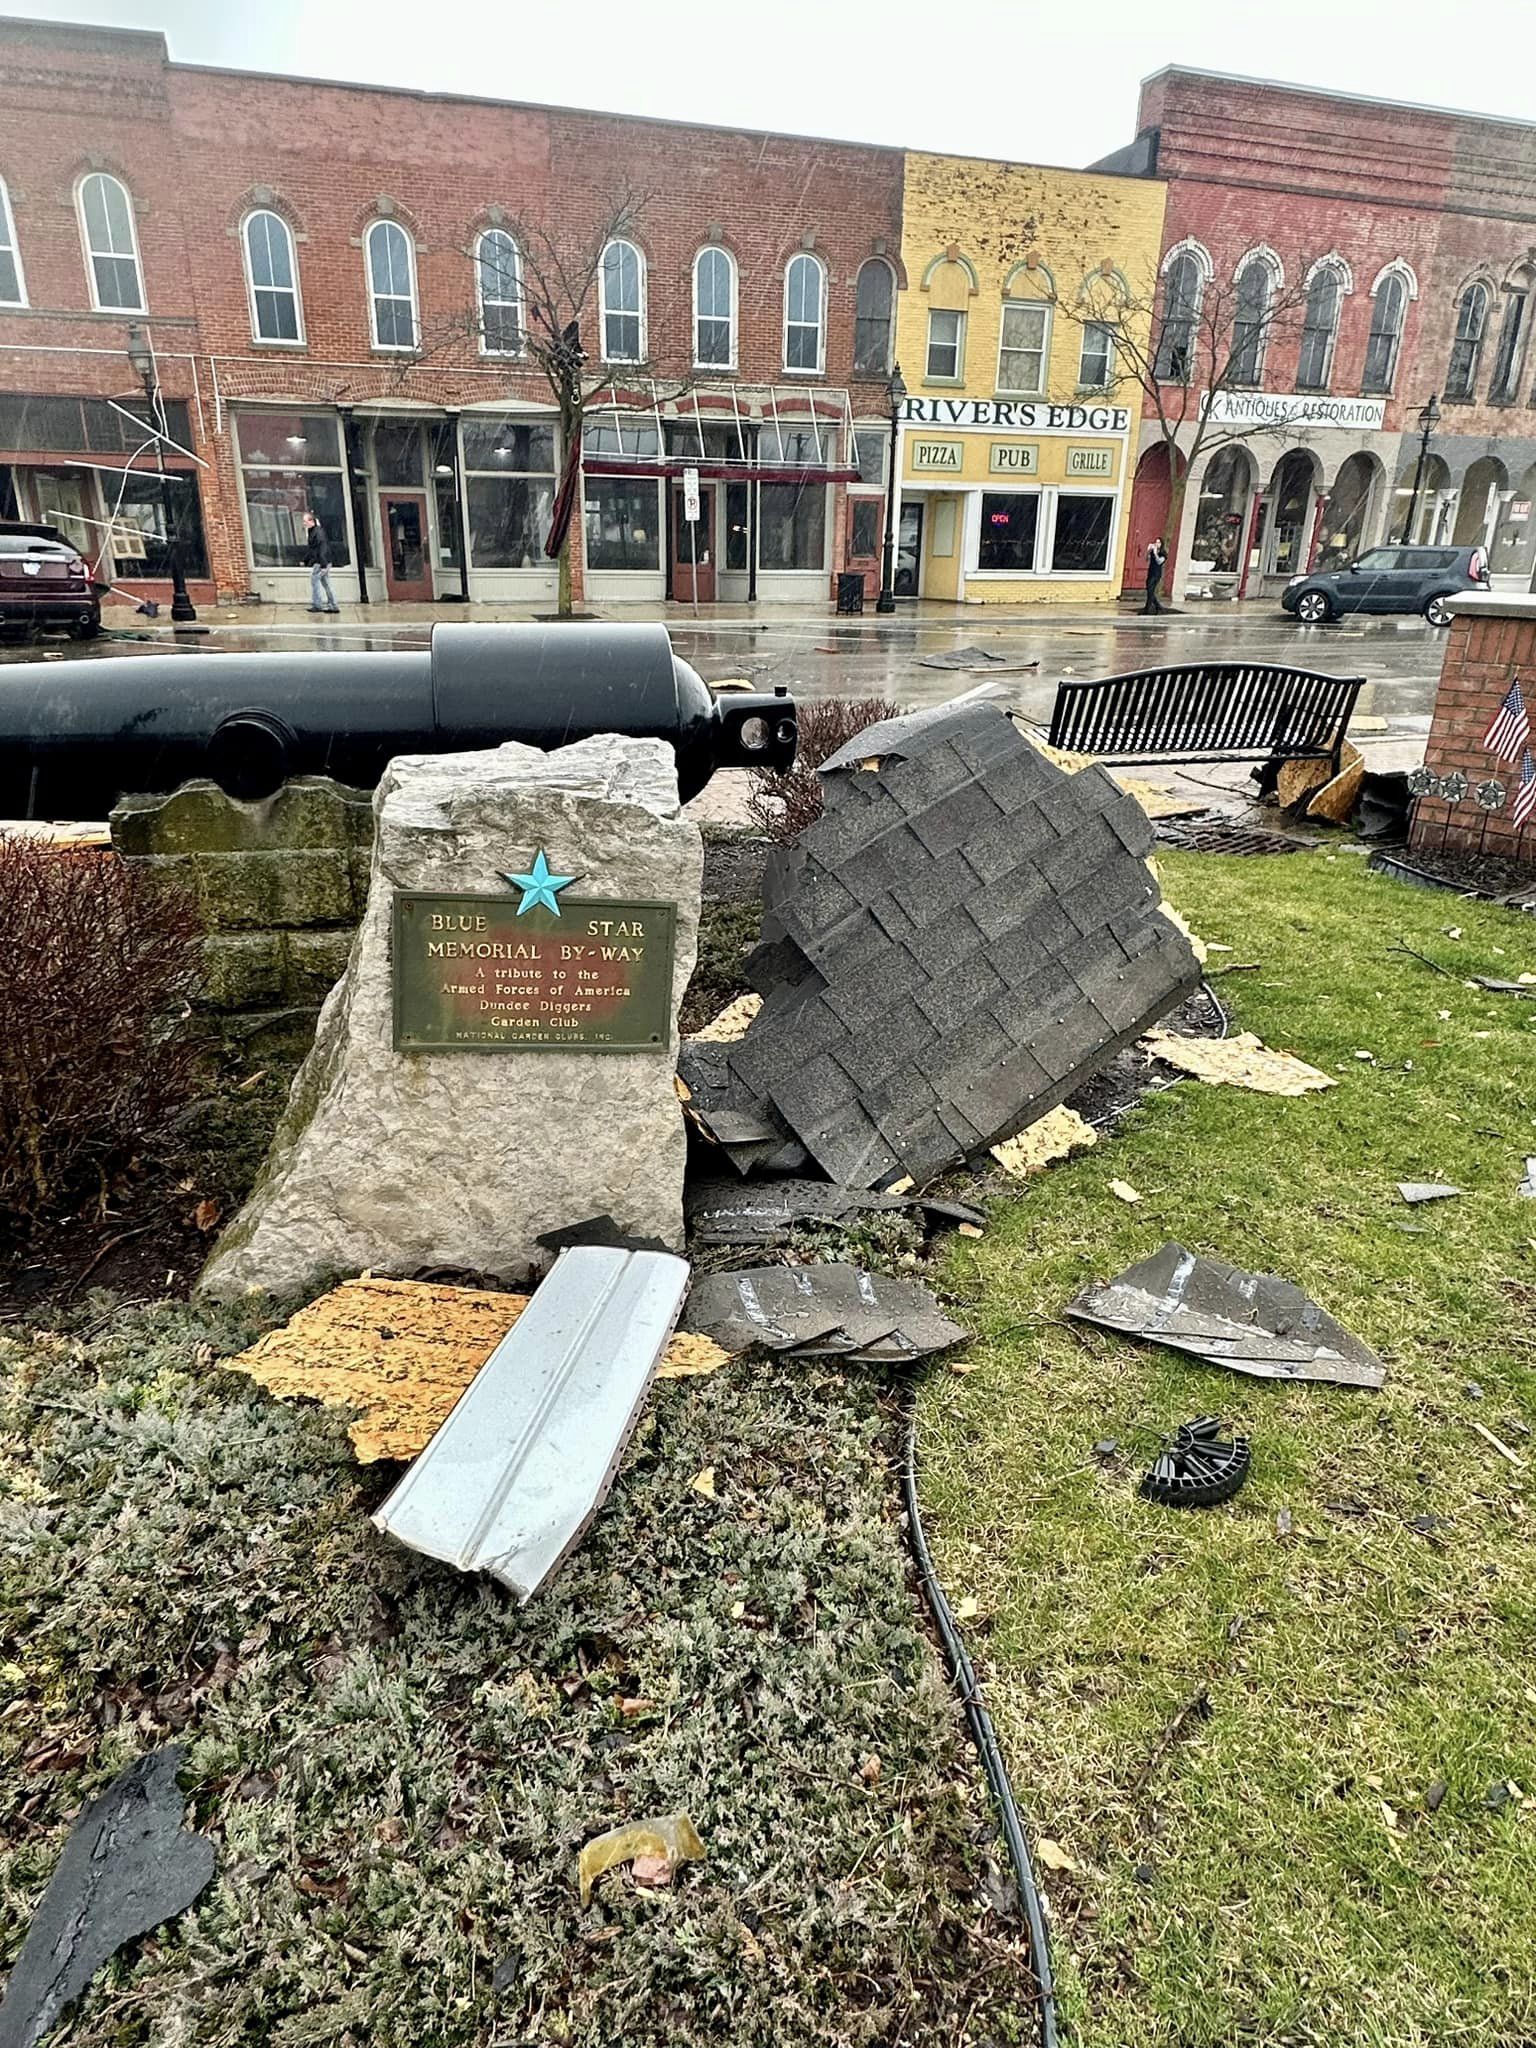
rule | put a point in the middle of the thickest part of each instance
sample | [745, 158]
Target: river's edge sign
[480, 974]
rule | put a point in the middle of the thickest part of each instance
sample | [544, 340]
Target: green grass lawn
[1274, 1873]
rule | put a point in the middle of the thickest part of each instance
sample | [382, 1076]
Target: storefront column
[352, 456]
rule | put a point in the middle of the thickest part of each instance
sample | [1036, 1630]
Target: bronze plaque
[472, 975]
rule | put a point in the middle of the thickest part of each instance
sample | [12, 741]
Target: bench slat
[1207, 711]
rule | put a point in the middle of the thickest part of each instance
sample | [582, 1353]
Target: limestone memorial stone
[497, 1061]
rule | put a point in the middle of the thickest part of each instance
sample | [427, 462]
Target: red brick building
[333, 283]
[1369, 223]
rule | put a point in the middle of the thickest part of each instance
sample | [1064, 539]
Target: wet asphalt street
[821, 655]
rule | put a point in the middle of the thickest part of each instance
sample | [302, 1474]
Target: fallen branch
[1402, 946]
[1196, 1708]
[1499, 1445]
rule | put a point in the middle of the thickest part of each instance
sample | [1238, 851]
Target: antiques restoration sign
[485, 974]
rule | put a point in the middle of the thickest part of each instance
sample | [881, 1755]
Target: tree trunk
[563, 599]
[572, 424]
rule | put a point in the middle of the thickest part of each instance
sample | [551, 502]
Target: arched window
[1250, 321]
[1514, 338]
[804, 313]
[874, 302]
[621, 297]
[714, 309]
[1319, 329]
[111, 246]
[1183, 282]
[13, 286]
[392, 285]
[1467, 348]
[1387, 310]
[499, 283]
[272, 277]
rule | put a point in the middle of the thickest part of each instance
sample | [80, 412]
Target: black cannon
[76, 736]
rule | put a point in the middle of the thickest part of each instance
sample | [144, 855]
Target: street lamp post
[1429, 419]
[886, 601]
[142, 359]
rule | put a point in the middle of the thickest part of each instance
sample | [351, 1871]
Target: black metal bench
[1207, 711]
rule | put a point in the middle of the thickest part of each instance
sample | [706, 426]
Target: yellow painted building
[1018, 428]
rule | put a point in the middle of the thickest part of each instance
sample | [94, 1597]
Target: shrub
[783, 802]
[94, 1055]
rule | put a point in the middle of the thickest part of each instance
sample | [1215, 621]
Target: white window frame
[621, 312]
[12, 241]
[1021, 390]
[1108, 329]
[819, 367]
[889, 350]
[957, 376]
[716, 249]
[258, 339]
[115, 255]
[518, 303]
[1050, 496]
[393, 348]
[1388, 279]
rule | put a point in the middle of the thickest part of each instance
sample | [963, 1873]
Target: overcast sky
[1007, 78]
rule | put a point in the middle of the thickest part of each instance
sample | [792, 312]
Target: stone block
[243, 971]
[316, 962]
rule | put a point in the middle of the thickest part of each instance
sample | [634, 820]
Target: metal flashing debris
[821, 1311]
[399, 1353]
[765, 1211]
[964, 936]
[1416, 1191]
[512, 1479]
[1255, 1323]
[1241, 1061]
[128, 1865]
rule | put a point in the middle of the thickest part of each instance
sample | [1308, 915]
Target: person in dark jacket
[317, 553]
[1157, 556]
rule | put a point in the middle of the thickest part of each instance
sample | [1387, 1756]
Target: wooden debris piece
[1052, 1136]
[1242, 1062]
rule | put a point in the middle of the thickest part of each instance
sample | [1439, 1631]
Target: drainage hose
[968, 1685]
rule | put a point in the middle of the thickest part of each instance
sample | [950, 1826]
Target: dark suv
[44, 581]
[1388, 580]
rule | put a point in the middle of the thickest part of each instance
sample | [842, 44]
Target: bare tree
[1188, 343]
[547, 312]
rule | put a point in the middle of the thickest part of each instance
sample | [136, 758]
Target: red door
[1149, 513]
[407, 568]
[693, 548]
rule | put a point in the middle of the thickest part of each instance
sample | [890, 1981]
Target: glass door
[407, 569]
[693, 552]
[907, 577]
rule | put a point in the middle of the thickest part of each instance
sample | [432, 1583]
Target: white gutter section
[511, 1481]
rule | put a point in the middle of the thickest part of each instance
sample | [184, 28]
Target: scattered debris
[1241, 1061]
[751, 1139]
[1498, 1444]
[1049, 1137]
[821, 1311]
[1106, 1447]
[1434, 1798]
[128, 1865]
[1197, 1707]
[972, 657]
[1416, 1191]
[599, 1230]
[1499, 1796]
[963, 937]
[1054, 1857]
[1525, 986]
[1255, 1323]
[400, 1353]
[1336, 799]
[731, 1023]
[703, 1483]
[652, 1848]
[1527, 1187]
[1123, 1191]
[516, 1473]
[1199, 1467]
[765, 1211]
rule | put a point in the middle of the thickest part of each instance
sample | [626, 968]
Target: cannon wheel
[250, 755]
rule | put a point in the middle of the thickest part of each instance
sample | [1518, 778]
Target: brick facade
[199, 149]
[1492, 641]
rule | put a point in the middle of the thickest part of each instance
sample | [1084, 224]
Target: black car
[44, 581]
[1388, 580]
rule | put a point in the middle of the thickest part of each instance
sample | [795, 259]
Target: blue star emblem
[539, 886]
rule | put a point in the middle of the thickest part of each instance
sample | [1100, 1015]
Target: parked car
[45, 581]
[1388, 580]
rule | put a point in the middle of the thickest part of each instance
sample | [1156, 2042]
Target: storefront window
[1008, 523]
[1222, 511]
[864, 528]
[397, 454]
[290, 465]
[152, 510]
[509, 490]
[630, 435]
[442, 437]
[1342, 534]
[738, 535]
[623, 523]
[869, 450]
[1082, 532]
[798, 447]
[792, 526]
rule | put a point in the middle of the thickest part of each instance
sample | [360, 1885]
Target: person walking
[1157, 556]
[317, 553]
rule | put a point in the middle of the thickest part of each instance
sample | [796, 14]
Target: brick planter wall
[281, 885]
[1492, 640]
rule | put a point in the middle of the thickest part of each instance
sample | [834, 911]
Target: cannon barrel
[75, 736]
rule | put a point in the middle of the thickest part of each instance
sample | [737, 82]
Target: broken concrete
[964, 936]
[1256, 1323]
[128, 1865]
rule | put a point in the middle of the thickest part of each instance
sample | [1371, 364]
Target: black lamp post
[141, 358]
[886, 601]
[1429, 419]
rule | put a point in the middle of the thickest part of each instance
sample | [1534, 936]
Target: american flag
[1511, 727]
[1525, 796]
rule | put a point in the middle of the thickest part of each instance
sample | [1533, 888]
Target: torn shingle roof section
[965, 935]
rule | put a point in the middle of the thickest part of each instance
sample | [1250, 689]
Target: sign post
[691, 514]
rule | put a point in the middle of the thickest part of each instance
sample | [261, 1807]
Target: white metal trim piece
[510, 1482]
